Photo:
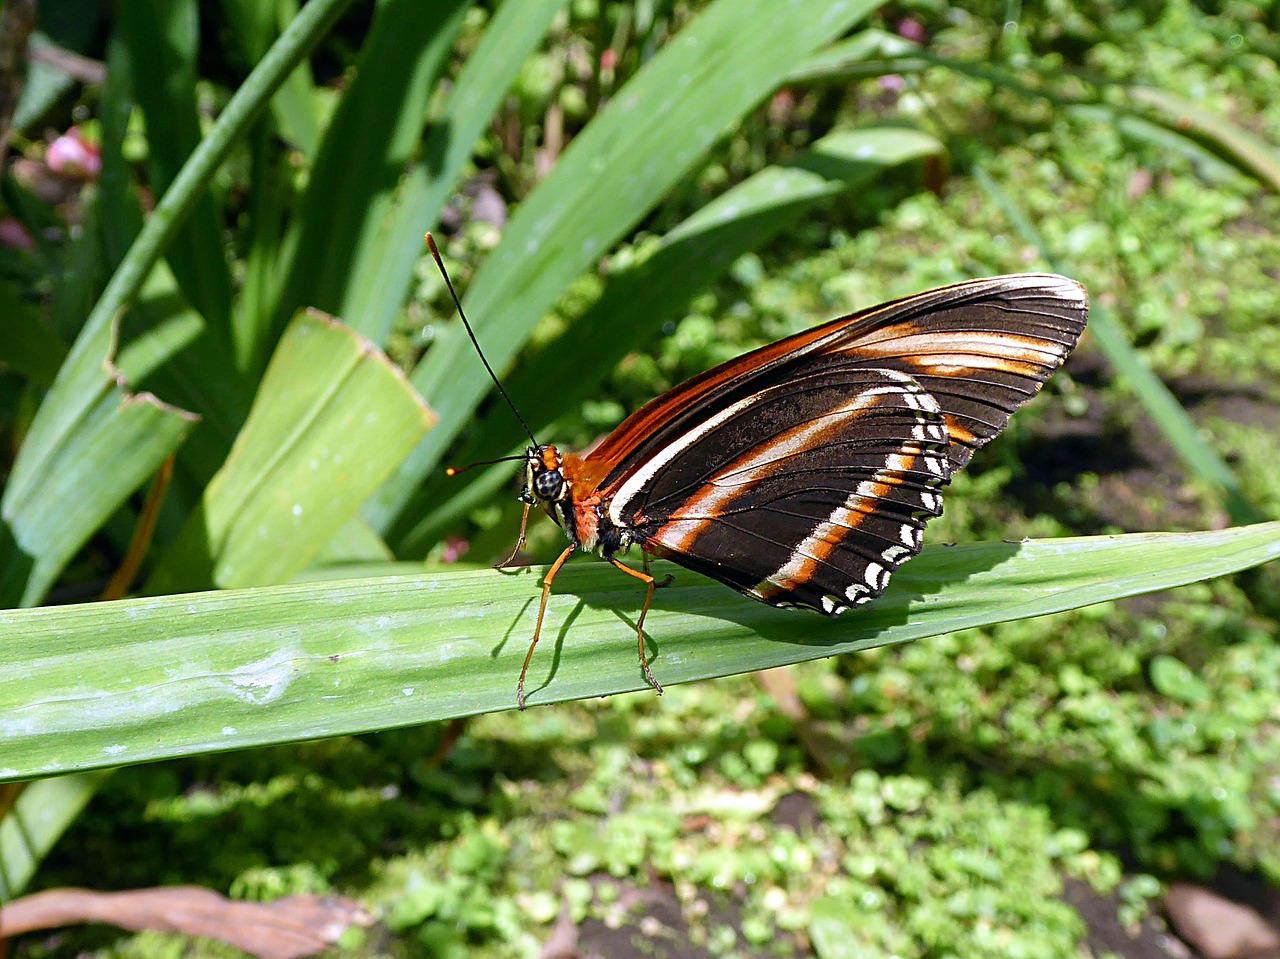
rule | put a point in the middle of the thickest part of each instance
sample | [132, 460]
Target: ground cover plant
[627, 194]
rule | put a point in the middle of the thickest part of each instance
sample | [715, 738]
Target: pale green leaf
[331, 419]
[370, 141]
[379, 282]
[84, 687]
[1231, 140]
[37, 821]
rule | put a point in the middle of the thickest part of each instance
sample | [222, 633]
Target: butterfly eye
[548, 484]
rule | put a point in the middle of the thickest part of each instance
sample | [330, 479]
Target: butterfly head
[544, 478]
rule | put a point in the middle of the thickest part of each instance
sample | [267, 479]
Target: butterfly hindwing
[807, 493]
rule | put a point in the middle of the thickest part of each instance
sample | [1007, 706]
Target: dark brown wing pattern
[981, 348]
[809, 493]
[994, 342]
[802, 474]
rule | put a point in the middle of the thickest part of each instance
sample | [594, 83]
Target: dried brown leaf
[288, 928]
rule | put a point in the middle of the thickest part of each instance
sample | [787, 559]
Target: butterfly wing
[802, 474]
[807, 493]
[982, 348]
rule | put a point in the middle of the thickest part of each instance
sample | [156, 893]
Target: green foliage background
[628, 194]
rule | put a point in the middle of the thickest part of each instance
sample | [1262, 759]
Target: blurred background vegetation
[630, 193]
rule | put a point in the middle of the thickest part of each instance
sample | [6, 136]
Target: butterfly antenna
[431, 245]
[458, 470]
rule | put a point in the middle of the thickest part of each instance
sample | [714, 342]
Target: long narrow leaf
[181, 675]
[654, 130]
[868, 53]
[38, 819]
[114, 449]
[1231, 141]
[380, 282]
[162, 38]
[365, 151]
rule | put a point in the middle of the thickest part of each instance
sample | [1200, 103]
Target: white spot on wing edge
[833, 605]
[857, 593]
[876, 575]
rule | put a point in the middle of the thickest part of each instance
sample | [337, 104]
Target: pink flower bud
[909, 28]
[73, 156]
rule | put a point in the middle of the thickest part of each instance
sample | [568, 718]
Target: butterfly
[802, 474]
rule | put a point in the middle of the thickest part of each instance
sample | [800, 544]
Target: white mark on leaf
[263, 681]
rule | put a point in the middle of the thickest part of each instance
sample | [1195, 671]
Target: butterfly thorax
[563, 485]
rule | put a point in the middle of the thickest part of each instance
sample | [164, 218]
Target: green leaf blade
[114, 449]
[380, 281]
[332, 418]
[162, 39]
[171, 676]
[651, 133]
[367, 146]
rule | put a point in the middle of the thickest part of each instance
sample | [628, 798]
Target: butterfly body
[802, 474]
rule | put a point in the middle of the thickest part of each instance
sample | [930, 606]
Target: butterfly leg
[666, 580]
[648, 598]
[542, 611]
[524, 523]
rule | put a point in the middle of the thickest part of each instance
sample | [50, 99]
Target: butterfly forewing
[982, 348]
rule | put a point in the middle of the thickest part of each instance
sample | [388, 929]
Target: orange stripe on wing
[740, 476]
[953, 354]
[657, 412]
[817, 548]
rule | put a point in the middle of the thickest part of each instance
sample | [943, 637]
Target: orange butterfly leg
[648, 598]
[542, 611]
